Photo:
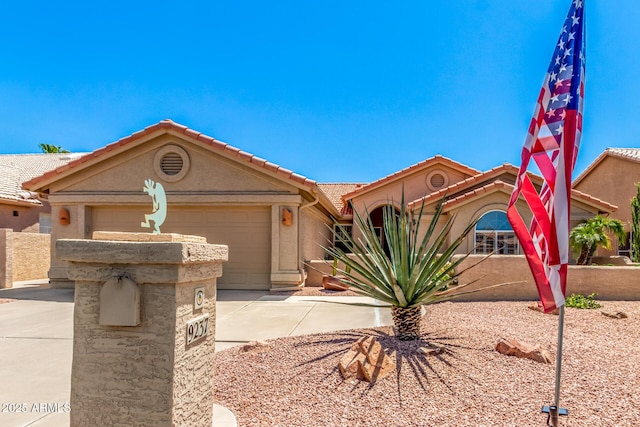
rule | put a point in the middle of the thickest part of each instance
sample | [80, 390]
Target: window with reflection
[493, 233]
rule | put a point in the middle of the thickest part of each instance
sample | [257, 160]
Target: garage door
[246, 230]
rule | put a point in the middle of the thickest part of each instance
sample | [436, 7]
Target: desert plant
[586, 237]
[414, 271]
[580, 301]
[635, 226]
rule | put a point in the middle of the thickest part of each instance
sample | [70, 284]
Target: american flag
[552, 142]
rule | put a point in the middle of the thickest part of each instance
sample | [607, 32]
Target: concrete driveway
[36, 339]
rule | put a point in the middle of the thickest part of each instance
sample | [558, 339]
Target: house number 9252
[197, 328]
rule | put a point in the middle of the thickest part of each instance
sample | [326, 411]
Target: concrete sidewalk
[36, 339]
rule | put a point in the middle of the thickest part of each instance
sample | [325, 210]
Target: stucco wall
[613, 180]
[27, 218]
[315, 232]
[31, 256]
[609, 282]
[23, 256]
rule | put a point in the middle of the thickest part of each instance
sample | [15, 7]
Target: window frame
[496, 236]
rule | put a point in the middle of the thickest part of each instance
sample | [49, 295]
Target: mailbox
[120, 302]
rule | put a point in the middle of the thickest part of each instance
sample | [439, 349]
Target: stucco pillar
[6, 258]
[75, 229]
[285, 226]
[158, 372]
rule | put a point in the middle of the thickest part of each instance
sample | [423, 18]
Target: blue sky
[338, 91]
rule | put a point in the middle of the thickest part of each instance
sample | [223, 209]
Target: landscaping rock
[255, 347]
[432, 350]
[537, 306]
[615, 314]
[366, 360]
[517, 349]
[333, 283]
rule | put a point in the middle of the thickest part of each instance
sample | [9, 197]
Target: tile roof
[18, 168]
[470, 182]
[171, 126]
[632, 154]
[413, 168]
[334, 193]
[486, 189]
[498, 185]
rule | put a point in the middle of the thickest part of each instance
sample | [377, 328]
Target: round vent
[171, 163]
[436, 180]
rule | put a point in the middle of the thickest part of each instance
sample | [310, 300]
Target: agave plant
[415, 270]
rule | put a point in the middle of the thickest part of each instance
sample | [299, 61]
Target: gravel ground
[297, 382]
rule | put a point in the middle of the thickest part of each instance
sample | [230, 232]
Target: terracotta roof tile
[413, 168]
[632, 154]
[489, 188]
[18, 168]
[334, 193]
[172, 126]
[470, 182]
[498, 185]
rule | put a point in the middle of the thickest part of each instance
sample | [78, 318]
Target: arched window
[494, 234]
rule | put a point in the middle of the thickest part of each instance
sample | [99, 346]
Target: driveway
[36, 338]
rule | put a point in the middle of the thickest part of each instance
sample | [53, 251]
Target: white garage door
[246, 230]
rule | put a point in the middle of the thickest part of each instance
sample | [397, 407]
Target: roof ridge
[170, 125]
[373, 184]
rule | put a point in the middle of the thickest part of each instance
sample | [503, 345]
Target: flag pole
[554, 410]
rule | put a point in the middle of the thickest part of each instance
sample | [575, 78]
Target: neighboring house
[613, 176]
[22, 210]
[273, 220]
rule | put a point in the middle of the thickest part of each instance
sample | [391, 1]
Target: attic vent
[436, 180]
[171, 163]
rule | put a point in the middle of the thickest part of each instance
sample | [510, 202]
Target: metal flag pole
[554, 410]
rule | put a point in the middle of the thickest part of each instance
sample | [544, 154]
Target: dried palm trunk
[407, 322]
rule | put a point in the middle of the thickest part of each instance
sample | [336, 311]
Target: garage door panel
[246, 231]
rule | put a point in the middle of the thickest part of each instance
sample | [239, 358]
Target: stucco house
[273, 220]
[612, 176]
[22, 210]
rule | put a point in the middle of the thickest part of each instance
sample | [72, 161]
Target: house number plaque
[197, 328]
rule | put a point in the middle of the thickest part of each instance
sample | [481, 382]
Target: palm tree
[585, 238]
[412, 272]
[52, 149]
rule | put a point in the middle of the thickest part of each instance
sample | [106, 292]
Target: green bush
[580, 301]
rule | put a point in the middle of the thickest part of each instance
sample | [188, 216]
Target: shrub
[580, 301]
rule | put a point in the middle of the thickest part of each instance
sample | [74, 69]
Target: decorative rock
[615, 314]
[366, 360]
[517, 349]
[255, 347]
[348, 365]
[432, 350]
[537, 306]
[333, 283]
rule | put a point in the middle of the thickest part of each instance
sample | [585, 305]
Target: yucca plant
[414, 271]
